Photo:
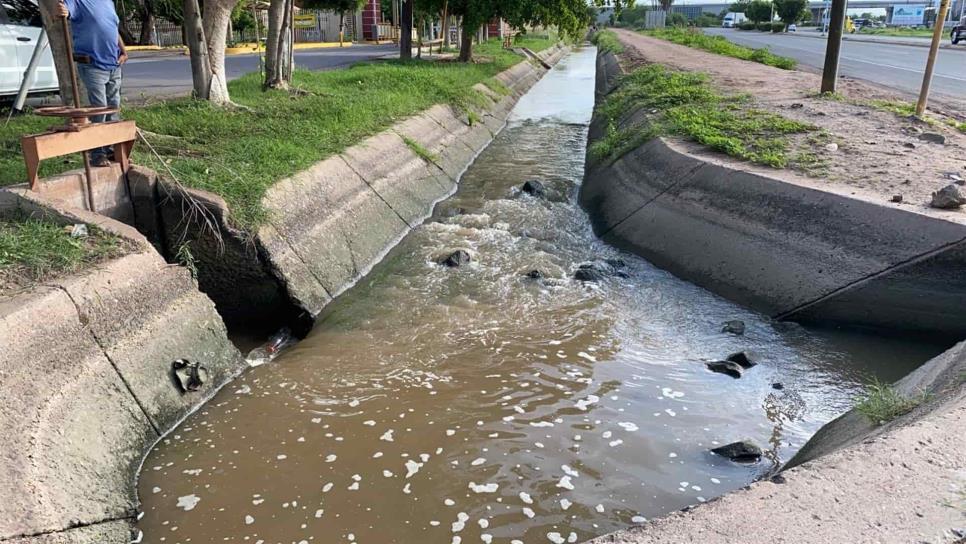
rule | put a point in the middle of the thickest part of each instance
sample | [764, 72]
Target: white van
[732, 19]
[20, 28]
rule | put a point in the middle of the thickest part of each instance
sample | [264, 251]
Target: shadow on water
[434, 404]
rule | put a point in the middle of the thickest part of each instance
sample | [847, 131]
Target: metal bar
[28, 74]
[75, 89]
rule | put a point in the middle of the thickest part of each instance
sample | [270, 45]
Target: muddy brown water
[435, 405]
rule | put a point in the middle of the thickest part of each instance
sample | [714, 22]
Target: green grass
[687, 105]
[882, 403]
[33, 250]
[239, 153]
[607, 42]
[899, 31]
[898, 107]
[693, 37]
[419, 150]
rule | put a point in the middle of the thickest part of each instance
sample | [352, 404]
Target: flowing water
[475, 404]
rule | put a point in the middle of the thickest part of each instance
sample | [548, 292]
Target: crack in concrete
[373, 189]
[856, 284]
[100, 344]
[683, 179]
[81, 525]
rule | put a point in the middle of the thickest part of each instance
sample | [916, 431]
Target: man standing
[99, 53]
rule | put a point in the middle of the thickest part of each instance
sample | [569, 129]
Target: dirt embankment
[876, 155]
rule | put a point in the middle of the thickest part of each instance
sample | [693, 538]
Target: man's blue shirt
[94, 29]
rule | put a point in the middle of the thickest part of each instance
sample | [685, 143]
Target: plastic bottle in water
[268, 351]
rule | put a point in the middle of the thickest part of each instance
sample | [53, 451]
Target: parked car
[792, 28]
[20, 28]
[958, 33]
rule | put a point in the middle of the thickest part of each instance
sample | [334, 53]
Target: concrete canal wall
[798, 252]
[774, 242]
[85, 369]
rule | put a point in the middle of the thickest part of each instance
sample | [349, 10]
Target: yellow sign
[305, 21]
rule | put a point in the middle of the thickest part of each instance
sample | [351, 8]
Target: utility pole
[833, 45]
[937, 36]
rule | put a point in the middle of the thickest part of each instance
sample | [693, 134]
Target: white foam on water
[412, 467]
[565, 483]
[188, 502]
[249, 520]
[526, 498]
[387, 436]
[478, 461]
[628, 426]
[483, 488]
[565, 504]
[528, 512]
[556, 538]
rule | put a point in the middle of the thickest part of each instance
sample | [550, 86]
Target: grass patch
[33, 250]
[882, 403]
[607, 42]
[898, 107]
[238, 154]
[685, 104]
[899, 31]
[418, 149]
[694, 37]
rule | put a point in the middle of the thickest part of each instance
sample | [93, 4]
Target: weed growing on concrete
[671, 102]
[418, 149]
[185, 258]
[607, 42]
[497, 86]
[33, 250]
[882, 403]
[695, 38]
[473, 118]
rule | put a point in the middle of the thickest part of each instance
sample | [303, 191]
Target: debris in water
[742, 359]
[268, 351]
[456, 259]
[725, 367]
[534, 188]
[735, 326]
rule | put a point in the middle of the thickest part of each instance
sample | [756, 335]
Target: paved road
[170, 74]
[896, 66]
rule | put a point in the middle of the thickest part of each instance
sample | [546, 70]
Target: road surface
[169, 74]
[898, 67]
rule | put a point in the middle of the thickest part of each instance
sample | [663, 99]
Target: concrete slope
[87, 383]
[332, 223]
[776, 243]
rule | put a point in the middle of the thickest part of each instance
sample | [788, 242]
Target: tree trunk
[466, 43]
[406, 30]
[275, 50]
[445, 23]
[215, 20]
[147, 25]
[58, 47]
[197, 49]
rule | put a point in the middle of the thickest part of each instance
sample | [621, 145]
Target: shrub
[747, 25]
[778, 27]
[764, 27]
[677, 19]
[606, 41]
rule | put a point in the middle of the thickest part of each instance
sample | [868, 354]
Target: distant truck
[732, 19]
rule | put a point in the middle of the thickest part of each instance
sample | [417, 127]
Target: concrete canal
[435, 404]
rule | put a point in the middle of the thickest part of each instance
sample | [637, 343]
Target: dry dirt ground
[879, 153]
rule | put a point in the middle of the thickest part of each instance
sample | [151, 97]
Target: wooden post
[833, 45]
[937, 36]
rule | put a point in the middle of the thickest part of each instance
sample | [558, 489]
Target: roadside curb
[856, 39]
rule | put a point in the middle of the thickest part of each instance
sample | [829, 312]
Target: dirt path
[877, 154]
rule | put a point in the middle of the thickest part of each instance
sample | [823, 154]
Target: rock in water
[534, 188]
[535, 274]
[740, 452]
[778, 386]
[598, 270]
[735, 326]
[947, 198]
[933, 137]
[725, 367]
[457, 258]
[742, 359]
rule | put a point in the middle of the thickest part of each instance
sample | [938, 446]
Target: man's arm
[62, 10]
[121, 51]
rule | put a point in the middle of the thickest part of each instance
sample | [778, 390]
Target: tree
[618, 6]
[791, 11]
[406, 30]
[741, 6]
[207, 35]
[278, 43]
[758, 11]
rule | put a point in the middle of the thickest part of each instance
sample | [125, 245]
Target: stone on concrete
[948, 198]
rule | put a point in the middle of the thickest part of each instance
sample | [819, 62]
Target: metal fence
[310, 26]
